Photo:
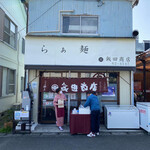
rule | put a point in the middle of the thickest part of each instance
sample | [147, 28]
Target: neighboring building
[141, 76]
[141, 47]
[79, 39]
[12, 50]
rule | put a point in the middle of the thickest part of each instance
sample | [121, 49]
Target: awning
[143, 63]
[145, 56]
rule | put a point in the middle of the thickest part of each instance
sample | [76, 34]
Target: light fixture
[100, 3]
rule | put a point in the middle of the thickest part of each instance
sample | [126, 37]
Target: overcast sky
[141, 19]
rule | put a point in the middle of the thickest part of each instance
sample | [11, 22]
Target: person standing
[59, 108]
[93, 102]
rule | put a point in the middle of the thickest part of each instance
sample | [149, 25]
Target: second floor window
[23, 46]
[10, 32]
[80, 24]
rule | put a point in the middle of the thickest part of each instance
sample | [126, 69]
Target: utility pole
[144, 78]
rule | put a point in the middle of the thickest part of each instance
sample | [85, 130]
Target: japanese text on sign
[74, 85]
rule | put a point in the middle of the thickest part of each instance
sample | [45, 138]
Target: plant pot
[8, 124]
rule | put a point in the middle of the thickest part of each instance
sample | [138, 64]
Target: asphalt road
[75, 142]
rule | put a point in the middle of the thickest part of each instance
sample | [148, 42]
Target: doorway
[46, 108]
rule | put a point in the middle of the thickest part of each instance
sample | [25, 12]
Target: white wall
[114, 16]
[97, 47]
[125, 87]
[13, 58]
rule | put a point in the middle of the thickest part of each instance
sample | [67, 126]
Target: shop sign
[142, 111]
[80, 52]
[21, 114]
[17, 115]
[74, 85]
[24, 114]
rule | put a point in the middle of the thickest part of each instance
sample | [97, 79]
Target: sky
[141, 19]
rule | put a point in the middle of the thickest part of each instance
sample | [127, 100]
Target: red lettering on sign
[143, 111]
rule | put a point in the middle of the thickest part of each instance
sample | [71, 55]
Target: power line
[34, 20]
[41, 15]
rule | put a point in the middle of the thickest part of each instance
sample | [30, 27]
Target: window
[2, 16]
[23, 46]
[11, 81]
[113, 77]
[1, 74]
[80, 24]
[10, 30]
[8, 81]
[147, 45]
[22, 84]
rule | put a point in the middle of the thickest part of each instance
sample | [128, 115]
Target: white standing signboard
[18, 115]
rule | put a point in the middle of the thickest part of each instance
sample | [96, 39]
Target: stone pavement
[53, 129]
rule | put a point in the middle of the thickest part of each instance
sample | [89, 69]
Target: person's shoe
[97, 133]
[91, 134]
[60, 128]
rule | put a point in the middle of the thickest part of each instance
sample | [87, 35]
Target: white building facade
[12, 50]
[79, 40]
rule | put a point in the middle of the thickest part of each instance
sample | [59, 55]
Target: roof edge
[79, 68]
[135, 3]
[66, 36]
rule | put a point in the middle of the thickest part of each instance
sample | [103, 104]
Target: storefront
[102, 64]
[75, 85]
[141, 77]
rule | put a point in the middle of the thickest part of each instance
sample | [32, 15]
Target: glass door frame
[68, 101]
[69, 94]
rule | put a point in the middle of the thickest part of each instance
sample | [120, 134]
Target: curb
[102, 133]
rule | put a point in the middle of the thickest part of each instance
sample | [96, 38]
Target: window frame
[2, 14]
[94, 16]
[22, 84]
[1, 80]
[23, 46]
[9, 34]
[8, 84]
